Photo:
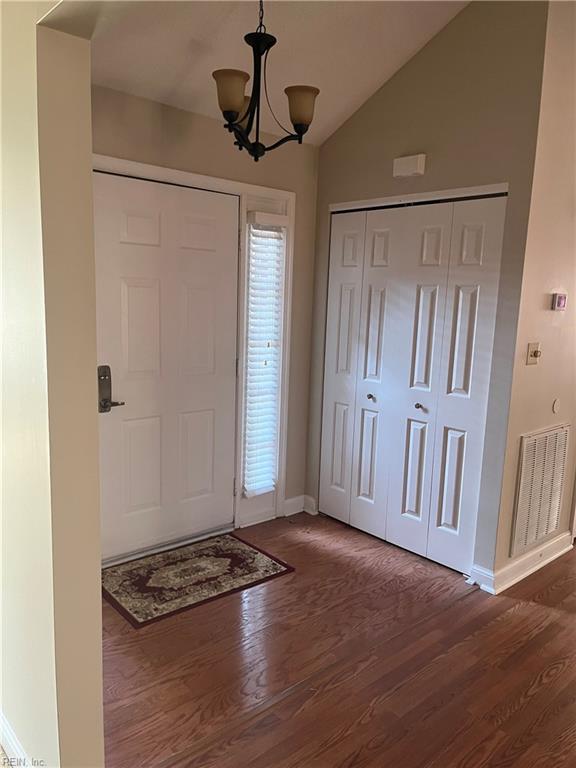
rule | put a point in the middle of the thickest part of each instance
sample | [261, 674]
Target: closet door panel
[412, 356]
[368, 502]
[341, 362]
[475, 256]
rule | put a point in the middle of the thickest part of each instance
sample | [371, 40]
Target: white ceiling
[166, 51]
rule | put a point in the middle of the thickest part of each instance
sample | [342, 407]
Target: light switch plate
[533, 354]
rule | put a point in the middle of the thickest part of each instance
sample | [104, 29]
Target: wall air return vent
[540, 487]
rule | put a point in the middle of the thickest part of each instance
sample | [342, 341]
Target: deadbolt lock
[105, 402]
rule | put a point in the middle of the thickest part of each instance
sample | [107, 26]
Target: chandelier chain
[261, 26]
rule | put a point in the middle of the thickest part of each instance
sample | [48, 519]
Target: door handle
[104, 405]
[372, 397]
[419, 406]
[105, 402]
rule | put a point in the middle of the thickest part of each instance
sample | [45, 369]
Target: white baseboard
[483, 577]
[10, 743]
[300, 504]
[495, 582]
[255, 518]
[290, 507]
[310, 505]
[293, 506]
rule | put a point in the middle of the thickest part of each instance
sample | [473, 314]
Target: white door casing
[340, 378]
[166, 272]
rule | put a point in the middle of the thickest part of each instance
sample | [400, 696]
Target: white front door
[166, 277]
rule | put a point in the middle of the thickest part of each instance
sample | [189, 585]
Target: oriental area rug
[165, 583]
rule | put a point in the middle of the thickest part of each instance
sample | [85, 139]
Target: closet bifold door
[416, 297]
[374, 408]
[475, 254]
[341, 360]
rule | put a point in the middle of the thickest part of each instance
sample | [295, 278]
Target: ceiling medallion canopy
[242, 113]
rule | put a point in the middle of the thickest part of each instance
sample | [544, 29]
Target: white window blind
[266, 257]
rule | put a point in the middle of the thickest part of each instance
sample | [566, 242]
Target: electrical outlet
[533, 354]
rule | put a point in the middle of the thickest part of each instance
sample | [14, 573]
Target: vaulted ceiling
[167, 51]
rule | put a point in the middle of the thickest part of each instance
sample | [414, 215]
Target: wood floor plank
[365, 655]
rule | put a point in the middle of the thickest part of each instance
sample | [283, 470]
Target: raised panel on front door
[140, 227]
[198, 233]
[197, 453]
[197, 337]
[142, 470]
[140, 312]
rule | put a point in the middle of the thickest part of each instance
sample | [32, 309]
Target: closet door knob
[419, 406]
[370, 396]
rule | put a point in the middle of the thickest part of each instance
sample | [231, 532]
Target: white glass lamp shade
[301, 100]
[230, 84]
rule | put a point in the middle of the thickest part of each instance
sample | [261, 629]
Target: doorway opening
[189, 271]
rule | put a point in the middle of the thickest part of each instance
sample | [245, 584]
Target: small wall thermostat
[559, 302]
[411, 165]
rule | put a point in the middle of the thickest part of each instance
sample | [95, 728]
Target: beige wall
[51, 632]
[550, 266]
[469, 100]
[64, 116]
[28, 692]
[138, 129]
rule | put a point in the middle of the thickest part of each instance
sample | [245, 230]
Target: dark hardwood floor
[366, 655]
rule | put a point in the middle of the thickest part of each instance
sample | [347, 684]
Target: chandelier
[242, 113]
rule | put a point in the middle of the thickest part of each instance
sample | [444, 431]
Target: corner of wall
[29, 719]
[549, 267]
[65, 158]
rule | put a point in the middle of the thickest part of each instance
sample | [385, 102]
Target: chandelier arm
[241, 137]
[257, 135]
[278, 123]
[253, 105]
[284, 140]
[260, 42]
[244, 116]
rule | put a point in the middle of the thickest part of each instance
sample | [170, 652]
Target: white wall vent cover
[540, 487]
